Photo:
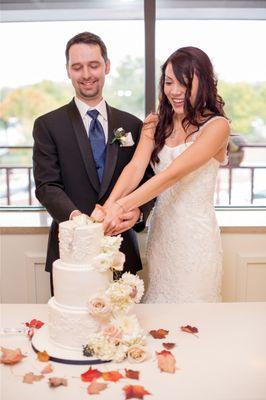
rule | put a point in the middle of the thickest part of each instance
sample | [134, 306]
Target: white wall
[23, 279]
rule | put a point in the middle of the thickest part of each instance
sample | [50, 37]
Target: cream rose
[99, 307]
[119, 259]
[136, 354]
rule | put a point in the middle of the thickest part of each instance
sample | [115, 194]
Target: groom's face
[87, 69]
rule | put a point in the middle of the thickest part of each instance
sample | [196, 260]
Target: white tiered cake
[88, 319]
[75, 280]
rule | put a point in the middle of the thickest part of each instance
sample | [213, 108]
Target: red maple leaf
[168, 346]
[135, 392]
[91, 374]
[189, 329]
[34, 323]
[159, 333]
[132, 374]
[112, 376]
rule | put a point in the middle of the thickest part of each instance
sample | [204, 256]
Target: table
[227, 361]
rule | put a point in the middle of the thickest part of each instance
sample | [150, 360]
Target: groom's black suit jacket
[65, 174]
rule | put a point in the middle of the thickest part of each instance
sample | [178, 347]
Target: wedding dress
[184, 251]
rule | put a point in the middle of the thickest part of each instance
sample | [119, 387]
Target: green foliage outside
[245, 105]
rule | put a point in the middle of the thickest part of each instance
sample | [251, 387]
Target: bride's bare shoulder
[149, 125]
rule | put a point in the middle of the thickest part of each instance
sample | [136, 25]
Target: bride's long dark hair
[186, 62]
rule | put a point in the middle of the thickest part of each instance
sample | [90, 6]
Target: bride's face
[175, 91]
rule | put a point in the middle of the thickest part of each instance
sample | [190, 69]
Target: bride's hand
[113, 214]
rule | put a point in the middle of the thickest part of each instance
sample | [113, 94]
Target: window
[34, 81]
[235, 48]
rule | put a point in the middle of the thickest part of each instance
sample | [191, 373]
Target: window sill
[235, 220]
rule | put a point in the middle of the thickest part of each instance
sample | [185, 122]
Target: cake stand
[41, 341]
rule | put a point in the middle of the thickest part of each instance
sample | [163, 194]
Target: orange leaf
[168, 346]
[135, 392]
[10, 356]
[96, 387]
[159, 333]
[166, 361]
[34, 323]
[55, 382]
[43, 356]
[189, 329]
[91, 374]
[47, 369]
[112, 376]
[30, 378]
[132, 374]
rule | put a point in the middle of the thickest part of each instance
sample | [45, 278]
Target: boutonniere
[123, 138]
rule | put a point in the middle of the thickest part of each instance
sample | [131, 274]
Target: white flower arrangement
[103, 262]
[106, 349]
[136, 285]
[122, 338]
[119, 297]
[125, 292]
[130, 328]
[111, 243]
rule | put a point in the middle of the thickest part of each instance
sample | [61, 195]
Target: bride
[185, 142]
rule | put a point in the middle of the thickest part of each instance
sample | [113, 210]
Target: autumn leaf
[43, 356]
[168, 346]
[47, 369]
[132, 374]
[166, 361]
[10, 356]
[55, 382]
[34, 323]
[96, 387]
[190, 329]
[91, 374]
[30, 378]
[135, 392]
[159, 333]
[112, 376]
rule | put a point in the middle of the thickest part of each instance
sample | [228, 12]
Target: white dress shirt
[102, 117]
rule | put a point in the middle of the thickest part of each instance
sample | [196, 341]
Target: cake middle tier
[75, 284]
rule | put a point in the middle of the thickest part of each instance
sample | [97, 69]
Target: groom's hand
[128, 220]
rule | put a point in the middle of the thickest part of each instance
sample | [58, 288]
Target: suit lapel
[84, 145]
[111, 151]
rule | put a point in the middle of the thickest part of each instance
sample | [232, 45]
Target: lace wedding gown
[184, 246]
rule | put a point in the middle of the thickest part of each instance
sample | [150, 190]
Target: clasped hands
[115, 219]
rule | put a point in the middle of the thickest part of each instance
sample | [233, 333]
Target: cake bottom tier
[69, 328]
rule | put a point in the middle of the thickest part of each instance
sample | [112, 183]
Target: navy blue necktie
[97, 141]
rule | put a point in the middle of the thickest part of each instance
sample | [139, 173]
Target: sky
[34, 51]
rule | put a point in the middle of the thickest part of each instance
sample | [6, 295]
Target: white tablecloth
[226, 362]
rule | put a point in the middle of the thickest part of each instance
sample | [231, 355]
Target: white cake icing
[79, 243]
[70, 277]
[82, 272]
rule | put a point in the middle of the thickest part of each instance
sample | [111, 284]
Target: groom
[75, 161]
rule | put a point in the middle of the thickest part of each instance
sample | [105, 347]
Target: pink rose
[113, 334]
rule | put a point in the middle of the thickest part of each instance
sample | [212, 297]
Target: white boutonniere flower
[123, 138]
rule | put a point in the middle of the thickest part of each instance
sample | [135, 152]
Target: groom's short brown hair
[87, 38]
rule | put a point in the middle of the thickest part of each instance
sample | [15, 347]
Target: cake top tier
[80, 240]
